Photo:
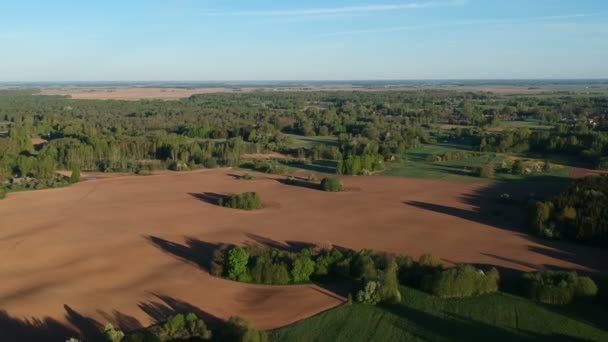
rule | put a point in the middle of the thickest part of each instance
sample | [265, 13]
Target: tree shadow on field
[302, 183]
[168, 306]
[13, 329]
[511, 215]
[453, 327]
[194, 251]
[209, 197]
[288, 246]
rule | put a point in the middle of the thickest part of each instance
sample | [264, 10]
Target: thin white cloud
[346, 10]
[458, 23]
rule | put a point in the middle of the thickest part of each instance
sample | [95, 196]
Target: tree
[518, 168]
[303, 268]
[237, 263]
[75, 177]
[239, 330]
[331, 185]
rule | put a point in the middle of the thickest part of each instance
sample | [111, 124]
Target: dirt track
[125, 249]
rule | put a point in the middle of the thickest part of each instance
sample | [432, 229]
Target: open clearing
[127, 249]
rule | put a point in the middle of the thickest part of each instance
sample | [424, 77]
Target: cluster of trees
[580, 141]
[557, 287]
[360, 165]
[579, 213]
[244, 201]
[279, 267]
[187, 327]
[377, 275]
[461, 282]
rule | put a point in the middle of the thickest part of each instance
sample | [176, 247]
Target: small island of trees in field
[244, 201]
[376, 276]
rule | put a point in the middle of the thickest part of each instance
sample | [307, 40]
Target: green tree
[238, 258]
[303, 268]
[75, 176]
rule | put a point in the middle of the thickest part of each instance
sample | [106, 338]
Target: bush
[461, 282]
[110, 334]
[370, 294]
[237, 263]
[585, 287]
[486, 171]
[175, 328]
[244, 201]
[557, 287]
[389, 290]
[331, 185]
[429, 260]
[75, 176]
[239, 330]
[518, 168]
[2, 193]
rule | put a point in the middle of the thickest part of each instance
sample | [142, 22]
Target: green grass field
[414, 164]
[301, 141]
[421, 317]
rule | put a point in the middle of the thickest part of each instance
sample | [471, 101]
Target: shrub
[217, 261]
[2, 193]
[237, 263]
[389, 291]
[239, 330]
[585, 287]
[460, 282]
[110, 334]
[175, 328]
[247, 176]
[518, 168]
[75, 176]
[430, 260]
[486, 171]
[178, 166]
[210, 163]
[370, 294]
[362, 266]
[557, 287]
[244, 201]
[331, 185]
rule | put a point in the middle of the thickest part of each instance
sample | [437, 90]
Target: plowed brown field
[127, 249]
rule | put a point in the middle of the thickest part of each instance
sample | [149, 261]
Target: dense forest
[217, 129]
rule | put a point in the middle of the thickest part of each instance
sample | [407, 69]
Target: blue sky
[302, 40]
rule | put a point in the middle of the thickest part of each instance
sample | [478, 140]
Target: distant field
[300, 141]
[415, 165]
[421, 317]
[134, 93]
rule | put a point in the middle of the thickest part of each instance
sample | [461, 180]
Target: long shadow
[453, 327]
[208, 197]
[13, 329]
[299, 183]
[317, 166]
[289, 246]
[489, 210]
[194, 251]
[168, 306]
[121, 321]
[90, 329]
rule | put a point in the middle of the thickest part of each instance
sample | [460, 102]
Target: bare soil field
[134, 93]
[130, 250]
[580, 172]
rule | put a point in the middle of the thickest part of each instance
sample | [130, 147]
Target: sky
[224, 40]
